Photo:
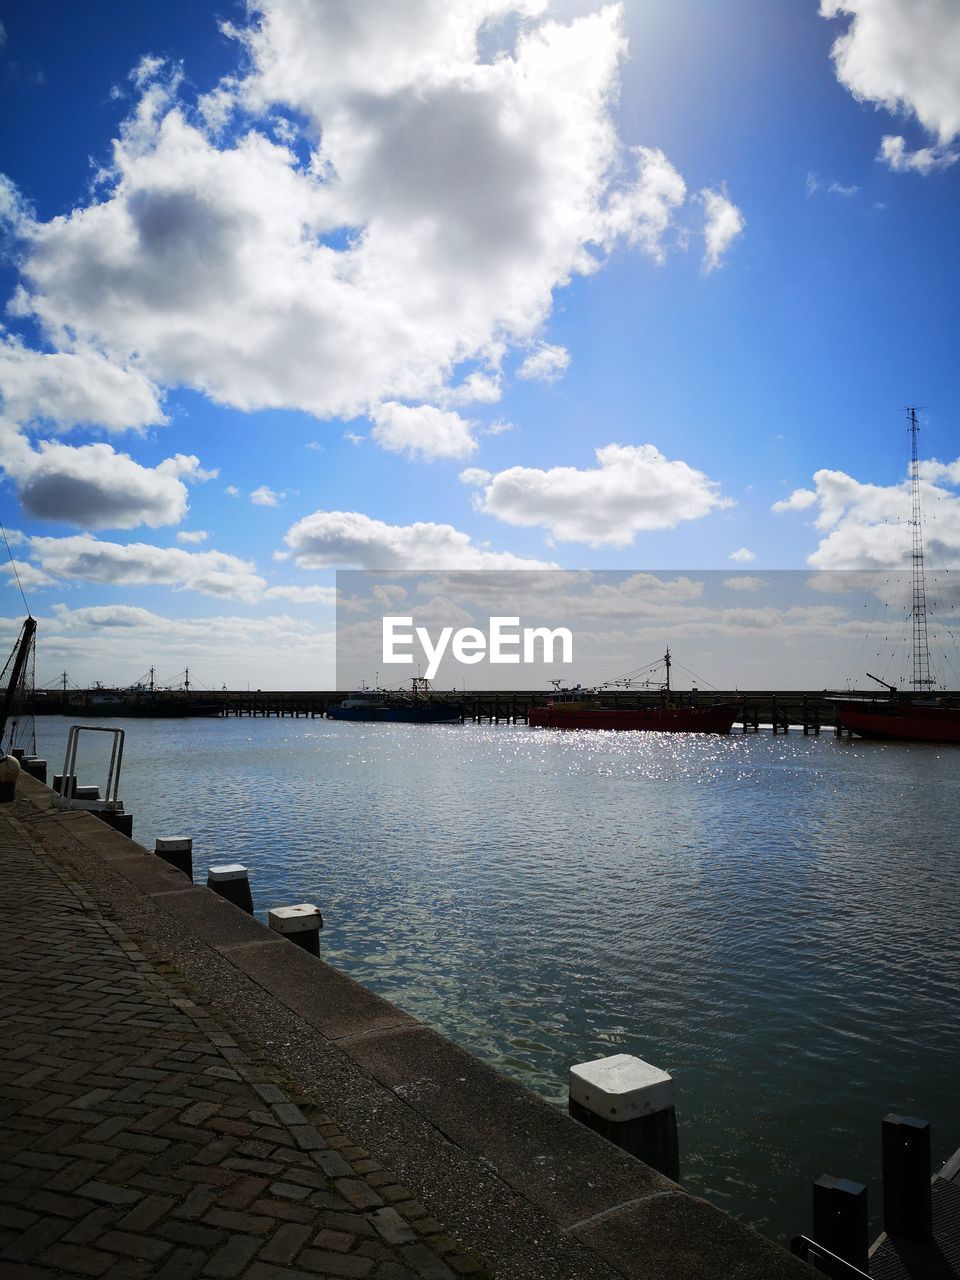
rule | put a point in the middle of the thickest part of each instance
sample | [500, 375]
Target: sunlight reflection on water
[773, 920]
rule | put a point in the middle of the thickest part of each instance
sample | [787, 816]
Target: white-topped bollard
[177, 851]
[9, 773]
[300, 923]
[630, 1103]
[231, 881]
[36, 767]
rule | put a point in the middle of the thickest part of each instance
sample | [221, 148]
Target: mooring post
[907, 1203]
[300, 923]
[630, 1103]
[36, 768]
[177, 851]
[232, 882]
[840, 1219]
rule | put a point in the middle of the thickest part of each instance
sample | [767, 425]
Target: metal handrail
[807, 1250]
[68, 778]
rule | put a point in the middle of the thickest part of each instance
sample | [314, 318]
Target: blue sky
[317, 285]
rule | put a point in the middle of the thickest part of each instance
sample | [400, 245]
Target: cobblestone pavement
[139, 1139]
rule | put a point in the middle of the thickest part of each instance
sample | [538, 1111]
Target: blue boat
[418, 705]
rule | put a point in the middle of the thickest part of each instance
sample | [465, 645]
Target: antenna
[921, 646]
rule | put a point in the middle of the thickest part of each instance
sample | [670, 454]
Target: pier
[187, 1092]
[810, 712]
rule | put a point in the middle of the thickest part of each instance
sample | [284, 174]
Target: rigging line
[15, 574]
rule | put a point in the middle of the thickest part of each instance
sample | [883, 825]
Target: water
[774, 920]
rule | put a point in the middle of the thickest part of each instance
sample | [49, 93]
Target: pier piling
[907, 1195]
[629, 1102]
[301, 923]
[36, 767]
[840, 1219]
[177, 851]
[232, 882]
[9, 772]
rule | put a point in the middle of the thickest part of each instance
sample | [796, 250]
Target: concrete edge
[628, 1218]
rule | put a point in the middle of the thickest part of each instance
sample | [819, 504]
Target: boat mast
[14, 689]
[921, 646]
[666, 663]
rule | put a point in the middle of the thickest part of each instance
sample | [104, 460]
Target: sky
[306, 285]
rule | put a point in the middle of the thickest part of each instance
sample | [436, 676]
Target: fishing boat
[417, 705]
[920, 714]
[596, 709]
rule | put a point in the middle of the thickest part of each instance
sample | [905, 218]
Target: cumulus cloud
[722, 223]
[895, 153]
[903, 55]
[71, 388]
[633, 488]
[266, 497]
[545, 363]
[744, 582]
[867, 526]
[108, 642]
[94, 487]
[350, 538]
[447, 196]
[28, 574]
[303, 595]
[423, 431]
[192, 536]
[743, 555]
[89, 559]
[799, 500]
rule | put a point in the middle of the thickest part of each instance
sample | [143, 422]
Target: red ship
[907, 722]
[585, 709]
[920, 716]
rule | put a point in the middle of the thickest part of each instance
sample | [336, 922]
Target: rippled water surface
[774, 920]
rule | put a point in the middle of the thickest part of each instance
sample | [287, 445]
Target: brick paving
[140, 1138]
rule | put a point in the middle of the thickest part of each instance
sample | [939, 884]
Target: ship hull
[901, 723]
[158, 710]
[651, 720]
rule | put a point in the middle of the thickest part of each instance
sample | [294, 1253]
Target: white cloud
[744, 582]
[71, 388]
[867, 526]
[815, 183]
[743, 555]
[29, 574]
[799, 500]
[894, 152]
[303, 595]
[108, 642]
[213, 573]
[350, 538]
[266, 497]
[903, 55]
[545, 363]
[723, 222]
[423, 431]
[232, 491]
[192, 536]
[447, 199]
[634, 488]
[94, 487]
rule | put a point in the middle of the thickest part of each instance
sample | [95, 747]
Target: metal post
[907, 1203]
[300, 923]
[630, 1103]
[840, 1219]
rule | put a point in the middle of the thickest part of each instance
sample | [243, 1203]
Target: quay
[184, 1092]
[781, 711]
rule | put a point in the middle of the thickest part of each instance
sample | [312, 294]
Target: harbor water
[772, 919]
